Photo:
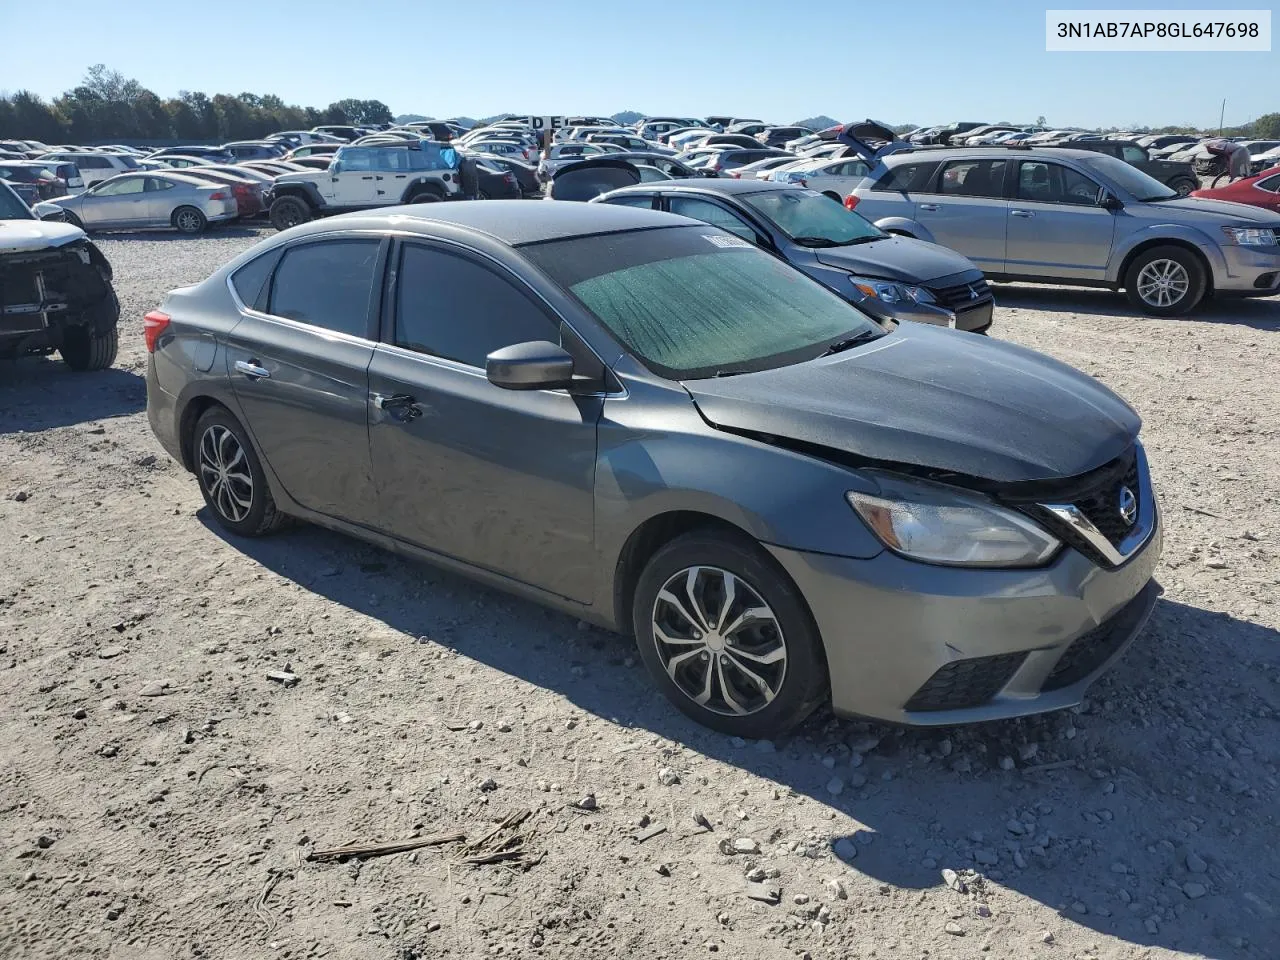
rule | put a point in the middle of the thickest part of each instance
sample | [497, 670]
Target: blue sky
[781, 60]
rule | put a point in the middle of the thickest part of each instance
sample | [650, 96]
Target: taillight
[218, 195]
[154, 324]
[850, 202]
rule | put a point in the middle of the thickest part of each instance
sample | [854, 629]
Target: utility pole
[1222, 115]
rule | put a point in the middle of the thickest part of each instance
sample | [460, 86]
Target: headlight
[941, 524]
[890, 292]
[1251, 236]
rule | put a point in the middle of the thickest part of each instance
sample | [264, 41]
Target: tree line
[107, 106]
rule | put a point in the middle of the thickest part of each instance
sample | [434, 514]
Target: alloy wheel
[188, 221]
[1162, 283]
[224, 471]
[719, 641]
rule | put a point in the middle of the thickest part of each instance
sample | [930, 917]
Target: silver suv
[1075, 217]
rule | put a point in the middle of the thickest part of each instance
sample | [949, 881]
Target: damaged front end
[45, 293]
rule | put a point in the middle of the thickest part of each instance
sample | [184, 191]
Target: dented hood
[28, 236]
[933, 398]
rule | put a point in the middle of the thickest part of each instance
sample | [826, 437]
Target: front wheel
[1184, 187]
[289, 212]
[231, 478]
[84, 350]
[1165, 281]
[424, 197]
[727, 636]
[75, 221]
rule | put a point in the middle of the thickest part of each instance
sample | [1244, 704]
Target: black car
[891, 278]
[495, 183]
[212, 154]
[526, 175]
[664, 162]
[777, 136]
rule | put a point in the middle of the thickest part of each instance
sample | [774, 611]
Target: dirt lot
[176, 825]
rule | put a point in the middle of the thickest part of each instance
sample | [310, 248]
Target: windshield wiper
[816, 241]
[841, 345]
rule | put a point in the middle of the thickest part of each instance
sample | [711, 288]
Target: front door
[966, 210]
[120, 203]
[299, 369]
[353, 180]
[501, 479]
[1056, 228]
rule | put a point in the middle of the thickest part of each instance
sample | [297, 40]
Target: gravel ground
[158, 793]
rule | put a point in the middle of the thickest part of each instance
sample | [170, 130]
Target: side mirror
[335, 167]
[538, 365]
[1109, 201]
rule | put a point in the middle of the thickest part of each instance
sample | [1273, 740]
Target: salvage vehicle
[135, 201]
[361, 177]
[55, 290]
[1260, 190]
[890, 278]
[663, 430]
[1051, 215]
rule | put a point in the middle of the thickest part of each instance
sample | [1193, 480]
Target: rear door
[965, 209]
[501, 479]
[299, 364]
[1055, 226]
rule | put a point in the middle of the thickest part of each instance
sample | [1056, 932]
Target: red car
[1260, 190]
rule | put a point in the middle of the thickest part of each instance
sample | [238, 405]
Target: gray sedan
[134, 200]
[656, 426]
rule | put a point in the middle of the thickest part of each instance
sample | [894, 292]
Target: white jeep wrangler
[362, 177]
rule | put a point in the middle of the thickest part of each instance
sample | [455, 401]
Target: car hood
[21, 236]
[897, 258]
[1201, 210]
[933, 398]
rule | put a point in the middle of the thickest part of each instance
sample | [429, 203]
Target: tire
[424, 196]
[75, 221]
[1221, 180]
[189, 220]
[1165, 272]
[1184, 186]
[289, 212]
[215, 440]
[84, 351]
[832, 195]
[483, 196]
[785, 690]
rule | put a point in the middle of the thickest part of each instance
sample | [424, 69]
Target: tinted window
[973, 178]
[714, 214]
[250, 279]
[1271, 183]
[451, 307]
[1134, 154]
[1051, 183]
[643, 202]
[327, 285]
[905, 177]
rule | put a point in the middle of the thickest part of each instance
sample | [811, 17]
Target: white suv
[95, 167]
[361, 177]
[833, 178]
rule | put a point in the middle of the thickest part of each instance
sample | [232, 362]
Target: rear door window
[973, 178]
[905, 177]
[327, 284]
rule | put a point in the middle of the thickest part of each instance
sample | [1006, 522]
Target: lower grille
[1089, 652]
[961, 296]
[966, 683]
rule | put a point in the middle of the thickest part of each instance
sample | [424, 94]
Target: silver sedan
[153, 199]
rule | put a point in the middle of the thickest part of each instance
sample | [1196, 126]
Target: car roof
[723, 186]
[989, 153]
[513, 222]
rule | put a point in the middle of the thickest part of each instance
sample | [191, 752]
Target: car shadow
[40, 393]
[1262, 314]
[248, 230]
[1097, 824]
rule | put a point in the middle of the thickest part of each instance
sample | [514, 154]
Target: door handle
[370, 177]
[929, 207]
[251, 370]
[1025, 214]
[400, 406]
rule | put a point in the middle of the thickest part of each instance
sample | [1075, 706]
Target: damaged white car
[55, 290]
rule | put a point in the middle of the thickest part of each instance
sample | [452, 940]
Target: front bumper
[1246, 268]
[906, 641]
[974, 320]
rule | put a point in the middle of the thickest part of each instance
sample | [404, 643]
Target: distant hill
[817, 123]
[628, 117]
[411, 118]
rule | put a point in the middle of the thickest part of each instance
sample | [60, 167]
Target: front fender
[905, 225]
[1164, 232]
[307, 191]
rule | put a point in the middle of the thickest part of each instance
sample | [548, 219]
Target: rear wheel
[727, 637]
[288, 212]
[189, 220]
[231, 477]
[1184, 186]
[426, 196]
[1165, 281]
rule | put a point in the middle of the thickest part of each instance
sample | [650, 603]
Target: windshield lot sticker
[727, 242]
